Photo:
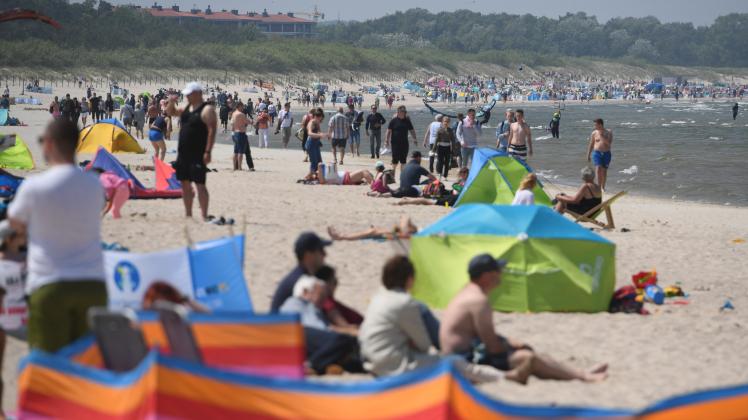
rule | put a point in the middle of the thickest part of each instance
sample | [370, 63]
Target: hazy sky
[698, 12]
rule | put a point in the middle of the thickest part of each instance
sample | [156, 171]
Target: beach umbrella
[554, 264]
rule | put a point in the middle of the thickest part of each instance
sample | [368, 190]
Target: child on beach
[116, 193]
[524, 195]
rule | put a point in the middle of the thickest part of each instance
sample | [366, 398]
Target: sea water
[674, 150]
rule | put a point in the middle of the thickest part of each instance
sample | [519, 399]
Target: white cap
[192, 87]
[5, 230]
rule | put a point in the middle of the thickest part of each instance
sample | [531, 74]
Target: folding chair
[592, 215]
[178, 331]
[119, 338]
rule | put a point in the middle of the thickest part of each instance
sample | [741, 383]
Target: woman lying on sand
[404, 230]
[331, 175]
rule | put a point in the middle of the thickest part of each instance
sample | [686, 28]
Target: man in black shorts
[397, 137]
[196, 138]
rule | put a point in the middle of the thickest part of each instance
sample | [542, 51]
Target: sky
[697, 12]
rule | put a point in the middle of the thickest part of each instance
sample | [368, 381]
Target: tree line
[722, 43]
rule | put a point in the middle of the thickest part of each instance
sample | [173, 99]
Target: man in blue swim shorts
[598, 151]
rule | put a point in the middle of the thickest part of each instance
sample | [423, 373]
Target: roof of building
[228, 16]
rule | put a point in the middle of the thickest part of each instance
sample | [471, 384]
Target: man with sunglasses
[374, 123]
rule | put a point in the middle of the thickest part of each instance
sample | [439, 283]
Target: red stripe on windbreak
[169, 405]
[253, 356]
[33, 403]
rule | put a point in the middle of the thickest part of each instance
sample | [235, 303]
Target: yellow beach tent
[109, 134]
[14, 154]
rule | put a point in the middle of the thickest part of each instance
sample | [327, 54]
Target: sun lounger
[119, 339]
[178, 331]
[592, 215]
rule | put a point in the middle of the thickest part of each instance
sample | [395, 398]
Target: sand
[674, 350]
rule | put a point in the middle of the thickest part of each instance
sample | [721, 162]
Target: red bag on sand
[643, 279]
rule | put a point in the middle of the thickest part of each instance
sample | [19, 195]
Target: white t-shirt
[61, 209]
[524, 198]
[286, 118]
[433, 129]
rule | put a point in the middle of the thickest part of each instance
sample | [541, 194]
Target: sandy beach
[676, 349]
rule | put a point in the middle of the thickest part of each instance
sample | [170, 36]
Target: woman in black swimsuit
[587, 198]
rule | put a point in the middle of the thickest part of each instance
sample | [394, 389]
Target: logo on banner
[126, 277]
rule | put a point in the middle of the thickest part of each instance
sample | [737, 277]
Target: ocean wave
[633, 170]
[715, 138]
[543, 138]
[677, 122]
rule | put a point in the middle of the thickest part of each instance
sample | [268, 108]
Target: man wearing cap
[467, 330]
[59, 210]
[310, 254]
[196, 138]
[374, 123]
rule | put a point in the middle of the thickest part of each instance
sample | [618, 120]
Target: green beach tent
[553, 263]
[14, 154]
[494, 178]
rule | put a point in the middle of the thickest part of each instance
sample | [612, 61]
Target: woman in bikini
[404, 230]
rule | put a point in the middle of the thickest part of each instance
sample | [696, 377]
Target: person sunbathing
[404, 230]
[589, 195]
[331, 175]
[467, 330]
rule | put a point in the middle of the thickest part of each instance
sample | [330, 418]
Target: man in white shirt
[60, 210]
[285, 123]
[430, 138]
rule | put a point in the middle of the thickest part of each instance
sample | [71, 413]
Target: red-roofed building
[279, 24]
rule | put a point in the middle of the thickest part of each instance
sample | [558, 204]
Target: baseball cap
[484, 263]
[309, 241]
[192, 87]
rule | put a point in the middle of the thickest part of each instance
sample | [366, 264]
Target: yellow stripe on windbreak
[109, 400]
[295, 404]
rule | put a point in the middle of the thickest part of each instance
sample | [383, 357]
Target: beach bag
[300, 134]
[624, 300]
[388, 177]
[433, 189]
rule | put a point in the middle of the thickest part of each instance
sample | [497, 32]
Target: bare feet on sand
[521, 373]
[597, 374]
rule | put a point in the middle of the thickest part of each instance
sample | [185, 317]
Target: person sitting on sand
[410, 177]
[394, 338]
[524, 195]
[338, 313]
[449, 198]
[467, 330]
[329, 348]
[589, 195]
[310, 255]
[331, 175]
[404, 230]
[380, 185]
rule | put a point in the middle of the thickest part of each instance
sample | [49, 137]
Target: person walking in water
[735, 109]
[555, 124]
[197, 135]
[598, 151]
[520, 137]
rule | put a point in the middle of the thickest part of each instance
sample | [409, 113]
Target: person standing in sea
[196, 138]
[598, 151]
[520, 137]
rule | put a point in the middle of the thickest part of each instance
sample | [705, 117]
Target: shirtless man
[239, 124]
[468, 320]
[598, 151]
[520, 137]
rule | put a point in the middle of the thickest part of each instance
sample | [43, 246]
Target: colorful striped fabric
[258, 344]
[163, 387]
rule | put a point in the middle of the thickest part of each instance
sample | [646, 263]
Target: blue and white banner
[129, 275]
[211, 273]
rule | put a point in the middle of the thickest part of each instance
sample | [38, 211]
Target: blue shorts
[155, 135]
[355, 137]
[241, 143]
[601, 158]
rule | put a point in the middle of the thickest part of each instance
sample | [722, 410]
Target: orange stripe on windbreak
[109, 400]
[264, 402]
[90, 357]
[724, 409]
[230, 335]
[464, 406]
